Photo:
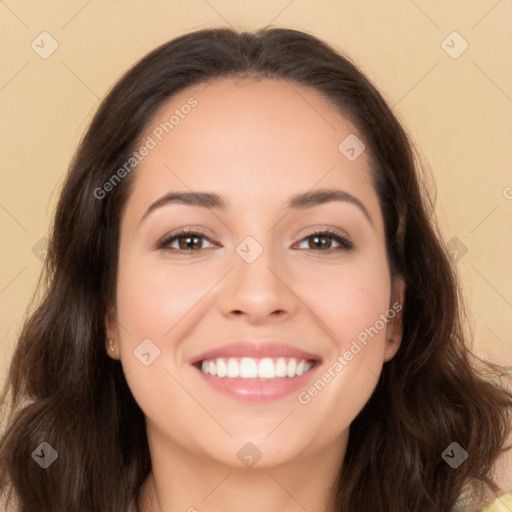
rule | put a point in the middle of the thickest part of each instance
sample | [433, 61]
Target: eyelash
[345, 244]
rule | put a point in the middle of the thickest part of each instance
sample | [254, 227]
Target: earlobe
[110, 348]
[111, 333]
[394, 328]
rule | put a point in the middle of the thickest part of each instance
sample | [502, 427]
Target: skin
[256, 143]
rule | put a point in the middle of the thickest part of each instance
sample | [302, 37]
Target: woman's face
[256, 290]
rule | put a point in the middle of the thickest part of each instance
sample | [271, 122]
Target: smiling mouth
[255, 369]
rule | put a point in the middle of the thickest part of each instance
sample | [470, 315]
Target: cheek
[349, 299]
[154, 302]
[353, 304]
[153, 297]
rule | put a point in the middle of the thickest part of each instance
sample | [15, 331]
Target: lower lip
[258, 391]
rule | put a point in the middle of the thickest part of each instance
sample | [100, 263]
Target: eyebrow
[302, 201]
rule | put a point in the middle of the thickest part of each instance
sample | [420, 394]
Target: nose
[259, 291]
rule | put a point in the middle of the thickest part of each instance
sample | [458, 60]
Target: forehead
[251, 112]
[250, 139]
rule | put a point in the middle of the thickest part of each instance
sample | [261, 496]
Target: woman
[249, 306]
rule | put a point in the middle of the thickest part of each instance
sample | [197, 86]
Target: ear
[394, 327]
[112, 332]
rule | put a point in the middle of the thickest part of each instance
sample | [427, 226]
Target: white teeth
[292, 365]
[281, 368]
[221, 368]
[233, 369]
[266, 369]
[249, 368]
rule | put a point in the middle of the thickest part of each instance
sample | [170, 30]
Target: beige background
[458, 111]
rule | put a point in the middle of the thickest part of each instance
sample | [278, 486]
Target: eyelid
[322, 228]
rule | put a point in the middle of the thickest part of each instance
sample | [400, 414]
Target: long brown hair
[64, 390]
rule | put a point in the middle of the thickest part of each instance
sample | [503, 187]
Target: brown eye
[188, 241]
[323, 242]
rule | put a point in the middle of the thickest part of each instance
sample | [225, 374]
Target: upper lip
[255, 350]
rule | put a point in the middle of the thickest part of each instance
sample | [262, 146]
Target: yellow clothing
[501, 504]
[504, 502]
